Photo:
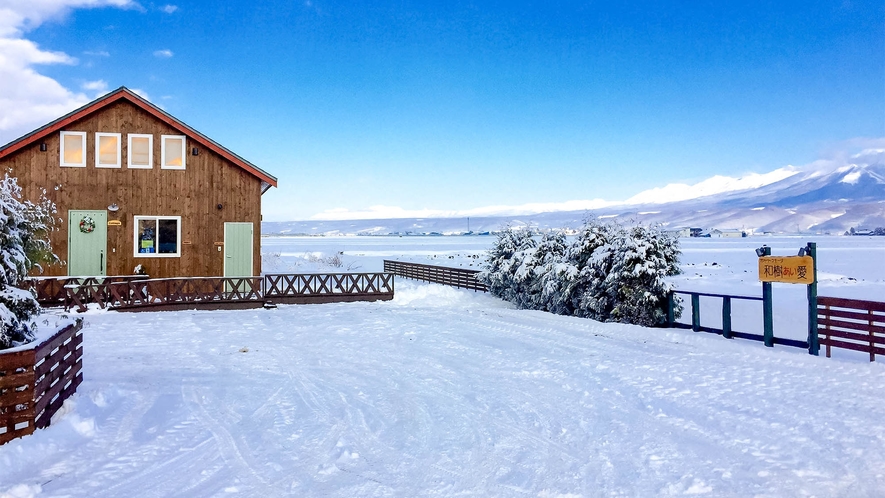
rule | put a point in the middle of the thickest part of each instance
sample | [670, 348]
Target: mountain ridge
[814, 200]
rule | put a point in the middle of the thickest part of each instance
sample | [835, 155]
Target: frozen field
[447, 393]
[852, 267]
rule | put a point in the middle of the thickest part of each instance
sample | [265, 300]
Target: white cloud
[165, 53]
[169, 9]
[99, 86]
[711, 186]
[28, 98]
[97, 53]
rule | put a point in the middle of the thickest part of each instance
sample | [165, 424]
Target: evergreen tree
[24, 244]
[504, 260]
[608, 273]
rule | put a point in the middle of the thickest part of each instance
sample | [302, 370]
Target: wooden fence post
[695, 312]
[726, 317]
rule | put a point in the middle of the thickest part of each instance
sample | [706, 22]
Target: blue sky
[456, 106]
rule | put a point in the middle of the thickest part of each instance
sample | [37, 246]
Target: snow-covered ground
[452, 393]
[852, 267]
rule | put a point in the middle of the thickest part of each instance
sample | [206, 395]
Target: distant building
[727, 233]
[679, 232]
[696, 232]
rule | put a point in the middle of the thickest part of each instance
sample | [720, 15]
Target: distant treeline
[875, 231]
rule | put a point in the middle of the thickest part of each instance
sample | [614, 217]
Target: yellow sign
[114, 223]
[787, 269]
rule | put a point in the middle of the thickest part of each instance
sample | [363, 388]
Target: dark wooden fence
[456, 277]
[35, 382]
[50, 291]
[328, 287]
[228, 292]
[851, 324]
[726, 330]
[175, 293]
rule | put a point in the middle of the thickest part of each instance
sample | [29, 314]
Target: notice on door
[787, 269]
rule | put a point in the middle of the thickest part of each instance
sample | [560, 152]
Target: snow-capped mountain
[821, 198]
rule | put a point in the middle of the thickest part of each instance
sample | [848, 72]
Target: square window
[72, 149]
[141, 151]
[157, 236]
[173, 152]
[107, 150]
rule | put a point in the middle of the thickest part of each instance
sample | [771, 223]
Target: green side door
[238, 249]
[87, 243]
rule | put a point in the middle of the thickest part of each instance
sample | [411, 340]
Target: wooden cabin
[136, 186]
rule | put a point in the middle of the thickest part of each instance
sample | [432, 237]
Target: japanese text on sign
[787, 269]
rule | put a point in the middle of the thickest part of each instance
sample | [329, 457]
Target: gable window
[141, 151]
[157, 236]
[72, 149]
[107, 150]
[172, 151]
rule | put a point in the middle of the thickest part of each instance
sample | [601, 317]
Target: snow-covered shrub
[503, 273]
[24, 245]
[609, 272]
[645, 256]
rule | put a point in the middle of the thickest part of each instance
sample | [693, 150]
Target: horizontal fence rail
[34, 383]
[726, 330]
[175, 292]
[51, 290]
[328, 287]
[228, 292]
[455, 277]
[853, 324]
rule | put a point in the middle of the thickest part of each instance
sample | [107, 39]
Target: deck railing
[228, 292]
[853, 324]
[455, 277]
[50, 291]
[328, 287]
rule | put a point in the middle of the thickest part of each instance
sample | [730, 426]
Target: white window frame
[61, 149]
[150, 164]
[119, 137]
[163, 139]
[135, 230]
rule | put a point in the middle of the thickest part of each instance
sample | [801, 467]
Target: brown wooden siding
[193, 194]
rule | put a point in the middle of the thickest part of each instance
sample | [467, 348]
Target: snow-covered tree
[645, 256]
[504, 261]
[608, 273]
[24, 244]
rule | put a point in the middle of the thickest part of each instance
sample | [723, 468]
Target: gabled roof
[124, 93]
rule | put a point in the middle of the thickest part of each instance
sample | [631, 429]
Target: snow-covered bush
[24, 245]
[608, 272]
[503, 270]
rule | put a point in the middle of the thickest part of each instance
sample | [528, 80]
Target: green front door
[87, 243]
[237, 249]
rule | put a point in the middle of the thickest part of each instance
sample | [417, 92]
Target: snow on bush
[24, 244]
[608, 272]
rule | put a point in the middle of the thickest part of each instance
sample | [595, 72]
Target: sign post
[767, 308]
[813, 343]
[801, 269]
